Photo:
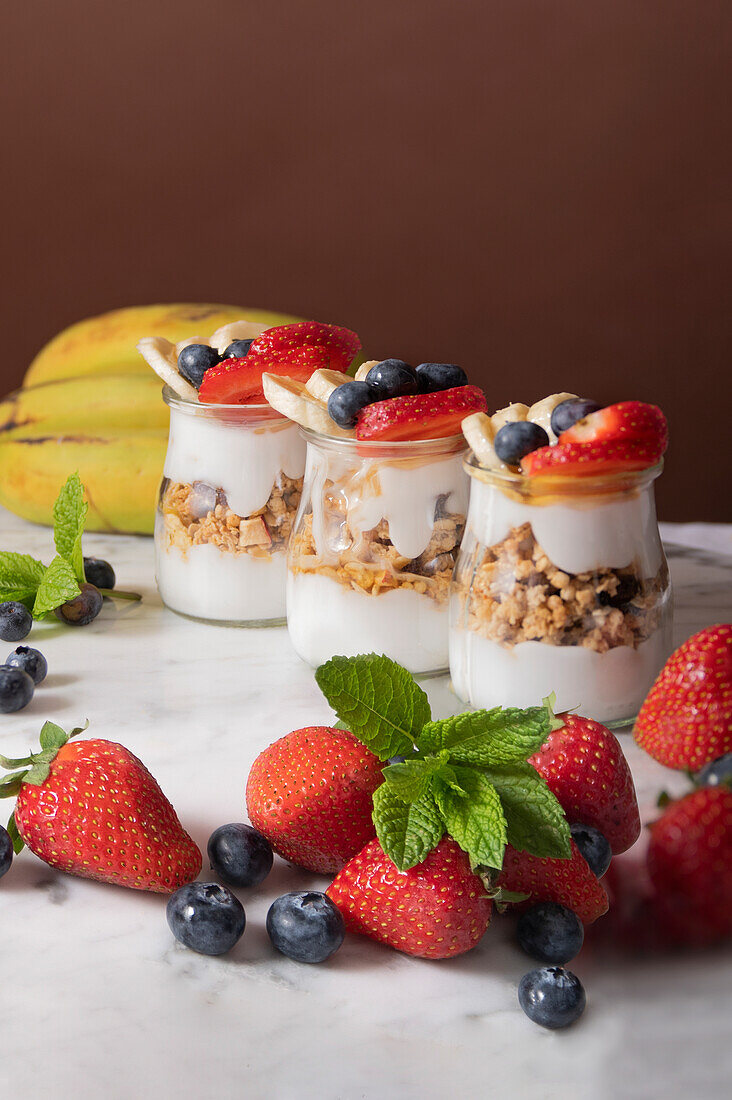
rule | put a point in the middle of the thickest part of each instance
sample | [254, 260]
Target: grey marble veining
[96, 999]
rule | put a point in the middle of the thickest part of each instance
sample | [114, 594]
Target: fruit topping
[392, 378]
[321, 384]
[426, 416]
[294, 400]
[592, 459]
[16, 689]
[628, 420]
[278, 347]
[306, 926]
[552, 996]
[594, 847]
[206, 917]
[550, 933]
[566, 413]
[362, 372]
[541, 412]
[239, 854]
[83, 609]
[440, 376]
[31, 661]
[509, 415]
[479, 431]
[6, 851]
[160, 355]
[517, 439]
[347, 401]
[686, 719]
[15, 621]
[99, 573]
[237, 349]
[239, 381]
[194, 360]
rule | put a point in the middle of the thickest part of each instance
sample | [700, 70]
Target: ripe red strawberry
[569, 882]
[686, 719]
[310, 794]
[239, 381]
[100, 814]
[435, 910]
[584, 767]
[690, 866]
[426, 416]
[280, 345]
[626, 420]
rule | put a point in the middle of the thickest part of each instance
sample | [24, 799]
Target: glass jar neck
[245, 416]
[362, 449]
[553, 489]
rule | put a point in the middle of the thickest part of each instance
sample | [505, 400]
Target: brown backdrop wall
[537, 190]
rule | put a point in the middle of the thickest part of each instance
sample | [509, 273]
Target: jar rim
[451, 444]
[261, 413]
[561, 484]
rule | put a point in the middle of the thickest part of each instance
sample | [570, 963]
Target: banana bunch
[90, 403]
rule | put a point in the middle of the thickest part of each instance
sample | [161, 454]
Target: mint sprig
[58, 585]
[69, 516]
[20, 576]
[467, 775]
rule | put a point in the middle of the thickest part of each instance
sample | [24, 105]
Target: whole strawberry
[686, 719]
[570, 882]
[584, 767]
[690, 866]
[92, 809]
[435, 910]
[310, 794]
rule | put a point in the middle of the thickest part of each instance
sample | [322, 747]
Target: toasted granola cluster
[197, 514]
[518, 595]
[369, 562]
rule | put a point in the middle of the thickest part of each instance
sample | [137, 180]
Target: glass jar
[561, 585]
[230, 492]
[373, 549]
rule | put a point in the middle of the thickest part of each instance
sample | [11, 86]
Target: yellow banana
[121, 473]
[106, 344]
[114, 402]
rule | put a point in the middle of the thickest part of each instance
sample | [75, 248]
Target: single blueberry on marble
[6, 851]
[593, 846]
[99, 573]
[31, 661]
[239, 854]
[206, 917]
[15, 621]
[550, 932]
[16, 689]
[552, 996]
[305, 926]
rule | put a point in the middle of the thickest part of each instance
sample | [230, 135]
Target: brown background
[537, 190]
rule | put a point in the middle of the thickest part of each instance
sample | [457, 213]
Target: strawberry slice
[626, 420]
[426, 416]
[239, 381]
[279, 345]
[592, 459]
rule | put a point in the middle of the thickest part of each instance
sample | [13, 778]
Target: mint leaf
[69, 515]
[484, 737]
[475, 820]
[20, 575]
[535, 820]
[408, 781]
[57, 586]
[377, 700]
[406, 832]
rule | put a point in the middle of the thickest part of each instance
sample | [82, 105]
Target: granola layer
[197, 514]
[369, 562]
[517, 594]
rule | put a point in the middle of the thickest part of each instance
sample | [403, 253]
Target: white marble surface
[97, 1000]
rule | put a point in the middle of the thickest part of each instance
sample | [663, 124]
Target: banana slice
[509, 415]
[541, 412]
[161, 355]
[322, 382]
[364, 369]
[480, 433]
[236, 330]
[292, 399]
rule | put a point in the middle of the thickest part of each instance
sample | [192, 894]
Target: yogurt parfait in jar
[561, 583]
[234, 467]
[382, 511]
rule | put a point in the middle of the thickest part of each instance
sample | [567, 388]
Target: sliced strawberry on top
[626, 420]
[569, 882]
[280, 345]
[592, 459]
[239, 381]
[426, 416]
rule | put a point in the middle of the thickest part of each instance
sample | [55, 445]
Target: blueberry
[237, 349]
[593, 846]
[206, 917]
[16, 689]
[392, 378]
[99, 573]
[550, 932]
[240, 855]
[440, 376]
[6, 851]
[718, 771]
[569, 412]
[307, 927]
[31, 661]
[83, 608]
[514, 441]
[15, 621]
[551, 996]
[195, 360]
[346, 402]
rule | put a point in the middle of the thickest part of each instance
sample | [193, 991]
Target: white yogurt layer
[324, 618]
[243, 460]
[608, 687]
[208, 583]
[577, 536]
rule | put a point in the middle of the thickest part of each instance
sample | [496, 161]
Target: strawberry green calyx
[466, 776]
